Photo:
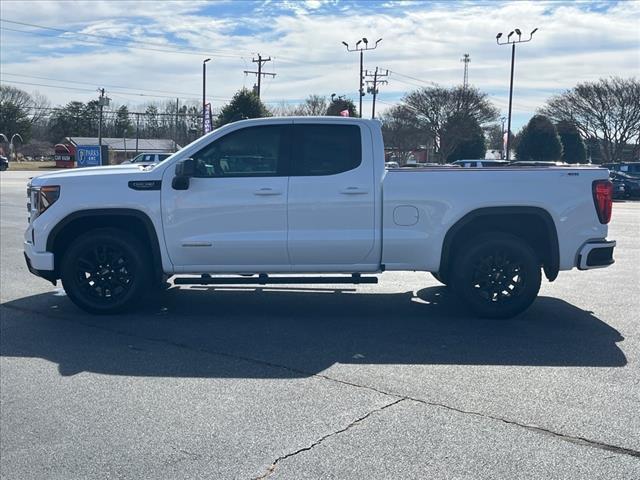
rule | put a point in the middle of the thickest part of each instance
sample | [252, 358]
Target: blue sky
[150, 51]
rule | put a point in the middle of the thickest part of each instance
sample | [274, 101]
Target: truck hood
[90, 173]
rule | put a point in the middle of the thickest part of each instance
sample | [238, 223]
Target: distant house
[120, 149]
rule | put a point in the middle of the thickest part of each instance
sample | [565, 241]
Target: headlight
[42, 198]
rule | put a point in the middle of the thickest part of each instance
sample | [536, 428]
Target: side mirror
[185, 169]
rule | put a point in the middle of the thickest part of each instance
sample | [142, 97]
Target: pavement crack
[534, 428]
[577, 440]
[275, 463]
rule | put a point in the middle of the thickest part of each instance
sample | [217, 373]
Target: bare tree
[314, 105]
[402, 132]
[40, 107]
[284, 109]
[434, 106]
[607, 110]
[21, 112]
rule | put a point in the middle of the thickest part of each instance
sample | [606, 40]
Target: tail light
[603, 199]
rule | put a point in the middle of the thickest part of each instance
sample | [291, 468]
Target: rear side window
[326, 149]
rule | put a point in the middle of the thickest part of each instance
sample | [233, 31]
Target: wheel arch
[540, 233]
[131, 220]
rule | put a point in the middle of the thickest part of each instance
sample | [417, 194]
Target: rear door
[331, 200]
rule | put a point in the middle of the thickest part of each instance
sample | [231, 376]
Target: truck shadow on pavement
[295, 332]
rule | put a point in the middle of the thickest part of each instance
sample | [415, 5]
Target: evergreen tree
[573, 149]
[244, 104]
[539, 141]
[68, 122]
[122, 124]
[462, 137]
[339, 104]
[91, 119]
[152, 123]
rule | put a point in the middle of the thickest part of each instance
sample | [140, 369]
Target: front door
[233, 216]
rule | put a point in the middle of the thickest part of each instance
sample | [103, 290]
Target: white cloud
[423, 41]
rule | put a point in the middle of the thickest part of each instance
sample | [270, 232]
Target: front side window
[250, 152]
[326, 149]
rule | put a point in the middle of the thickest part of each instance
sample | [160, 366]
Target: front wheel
[105, 271]
[497, 276]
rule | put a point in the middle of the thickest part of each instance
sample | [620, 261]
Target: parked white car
[480, 163]
[148, 158]
[299, 196]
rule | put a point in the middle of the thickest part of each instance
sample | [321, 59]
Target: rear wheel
[498, 276]
[105, 271]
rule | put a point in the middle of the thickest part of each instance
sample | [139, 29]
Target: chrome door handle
[353, 191]
[267, 191]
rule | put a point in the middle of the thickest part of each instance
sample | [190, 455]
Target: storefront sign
[88, 156]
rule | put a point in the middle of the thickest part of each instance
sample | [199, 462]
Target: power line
[161, 47]
[90, 90]
[108, 86]
[408, 83]
[52, 86]
[93, 90]
[426, 82]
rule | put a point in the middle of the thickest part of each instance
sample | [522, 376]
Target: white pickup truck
[300, 196]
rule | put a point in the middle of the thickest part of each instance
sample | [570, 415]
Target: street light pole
[357, 48]
[502, 119]
[204, 93]
[513, 58]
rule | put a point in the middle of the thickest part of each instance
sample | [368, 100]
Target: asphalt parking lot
[378, 381]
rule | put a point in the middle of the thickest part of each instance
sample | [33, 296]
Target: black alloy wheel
[497, 275]
[105, 271]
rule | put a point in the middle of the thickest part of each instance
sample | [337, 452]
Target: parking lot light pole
[357, 48]
[204, 93]
[513, 58]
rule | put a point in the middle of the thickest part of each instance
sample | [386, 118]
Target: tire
[439, 278]
[479, 278]
[105, 271]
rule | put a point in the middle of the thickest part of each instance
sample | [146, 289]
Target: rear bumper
[596, 254]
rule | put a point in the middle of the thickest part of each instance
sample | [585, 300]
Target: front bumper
[596, 254]
[40, 263]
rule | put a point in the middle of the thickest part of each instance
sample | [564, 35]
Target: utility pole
[102, 102]
[373, 86]
[204, 93]
[502, 119]
[137, 130]
[361, 76]
[513, 58]
[260, 61]
[465, 59]
[175, 129]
